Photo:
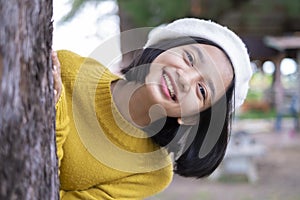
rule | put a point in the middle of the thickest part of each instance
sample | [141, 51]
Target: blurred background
[263, 156]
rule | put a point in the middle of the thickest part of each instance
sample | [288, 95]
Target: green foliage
[154, 12]
[213, 9]
[259, 84]
[76, 7]
[289, 7]
[292, 7]
[257, 114]
[254, 95]
[141, 12]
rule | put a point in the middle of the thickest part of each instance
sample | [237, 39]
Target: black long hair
[214, 122]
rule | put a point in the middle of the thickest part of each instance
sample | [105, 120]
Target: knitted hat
[225, 38]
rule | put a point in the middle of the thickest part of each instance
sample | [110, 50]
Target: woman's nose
[187, 78]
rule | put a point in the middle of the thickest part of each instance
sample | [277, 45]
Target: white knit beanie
[225, 38]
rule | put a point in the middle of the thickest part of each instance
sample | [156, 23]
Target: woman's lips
[167, 87]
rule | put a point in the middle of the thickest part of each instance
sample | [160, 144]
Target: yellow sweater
[101, 155]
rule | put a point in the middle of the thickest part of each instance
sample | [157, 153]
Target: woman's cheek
[190, 105]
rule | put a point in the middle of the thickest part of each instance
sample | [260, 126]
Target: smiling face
[188, 79]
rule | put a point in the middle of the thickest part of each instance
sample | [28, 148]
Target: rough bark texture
[28, 168]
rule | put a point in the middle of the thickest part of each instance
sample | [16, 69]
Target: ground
[278, 171]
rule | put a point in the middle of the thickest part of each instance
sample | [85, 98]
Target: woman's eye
[202, 90]
[190, 58]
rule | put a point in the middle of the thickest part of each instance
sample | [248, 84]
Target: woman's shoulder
[71, 63]
[69, 58]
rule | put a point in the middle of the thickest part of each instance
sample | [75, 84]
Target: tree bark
[28, 168]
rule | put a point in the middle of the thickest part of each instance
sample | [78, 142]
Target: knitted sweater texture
[101, 155]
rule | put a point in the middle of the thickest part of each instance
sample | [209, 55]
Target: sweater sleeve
[62, 124]
[133, 187]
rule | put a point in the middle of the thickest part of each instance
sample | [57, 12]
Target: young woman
[123, 138]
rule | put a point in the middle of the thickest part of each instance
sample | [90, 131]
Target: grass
[255, 114]
[233, 178]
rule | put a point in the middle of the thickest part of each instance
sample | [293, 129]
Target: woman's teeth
[170, 86]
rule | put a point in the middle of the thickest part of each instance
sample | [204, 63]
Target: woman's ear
[188, 120]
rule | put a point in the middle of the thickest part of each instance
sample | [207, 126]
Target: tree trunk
[28, 168]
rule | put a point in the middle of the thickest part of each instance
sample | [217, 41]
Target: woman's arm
[132, 187]
[62, 124]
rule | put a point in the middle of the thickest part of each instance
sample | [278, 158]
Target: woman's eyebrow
[212, 88]
[200, 54]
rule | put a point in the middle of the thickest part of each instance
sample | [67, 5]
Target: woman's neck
[133, 103]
